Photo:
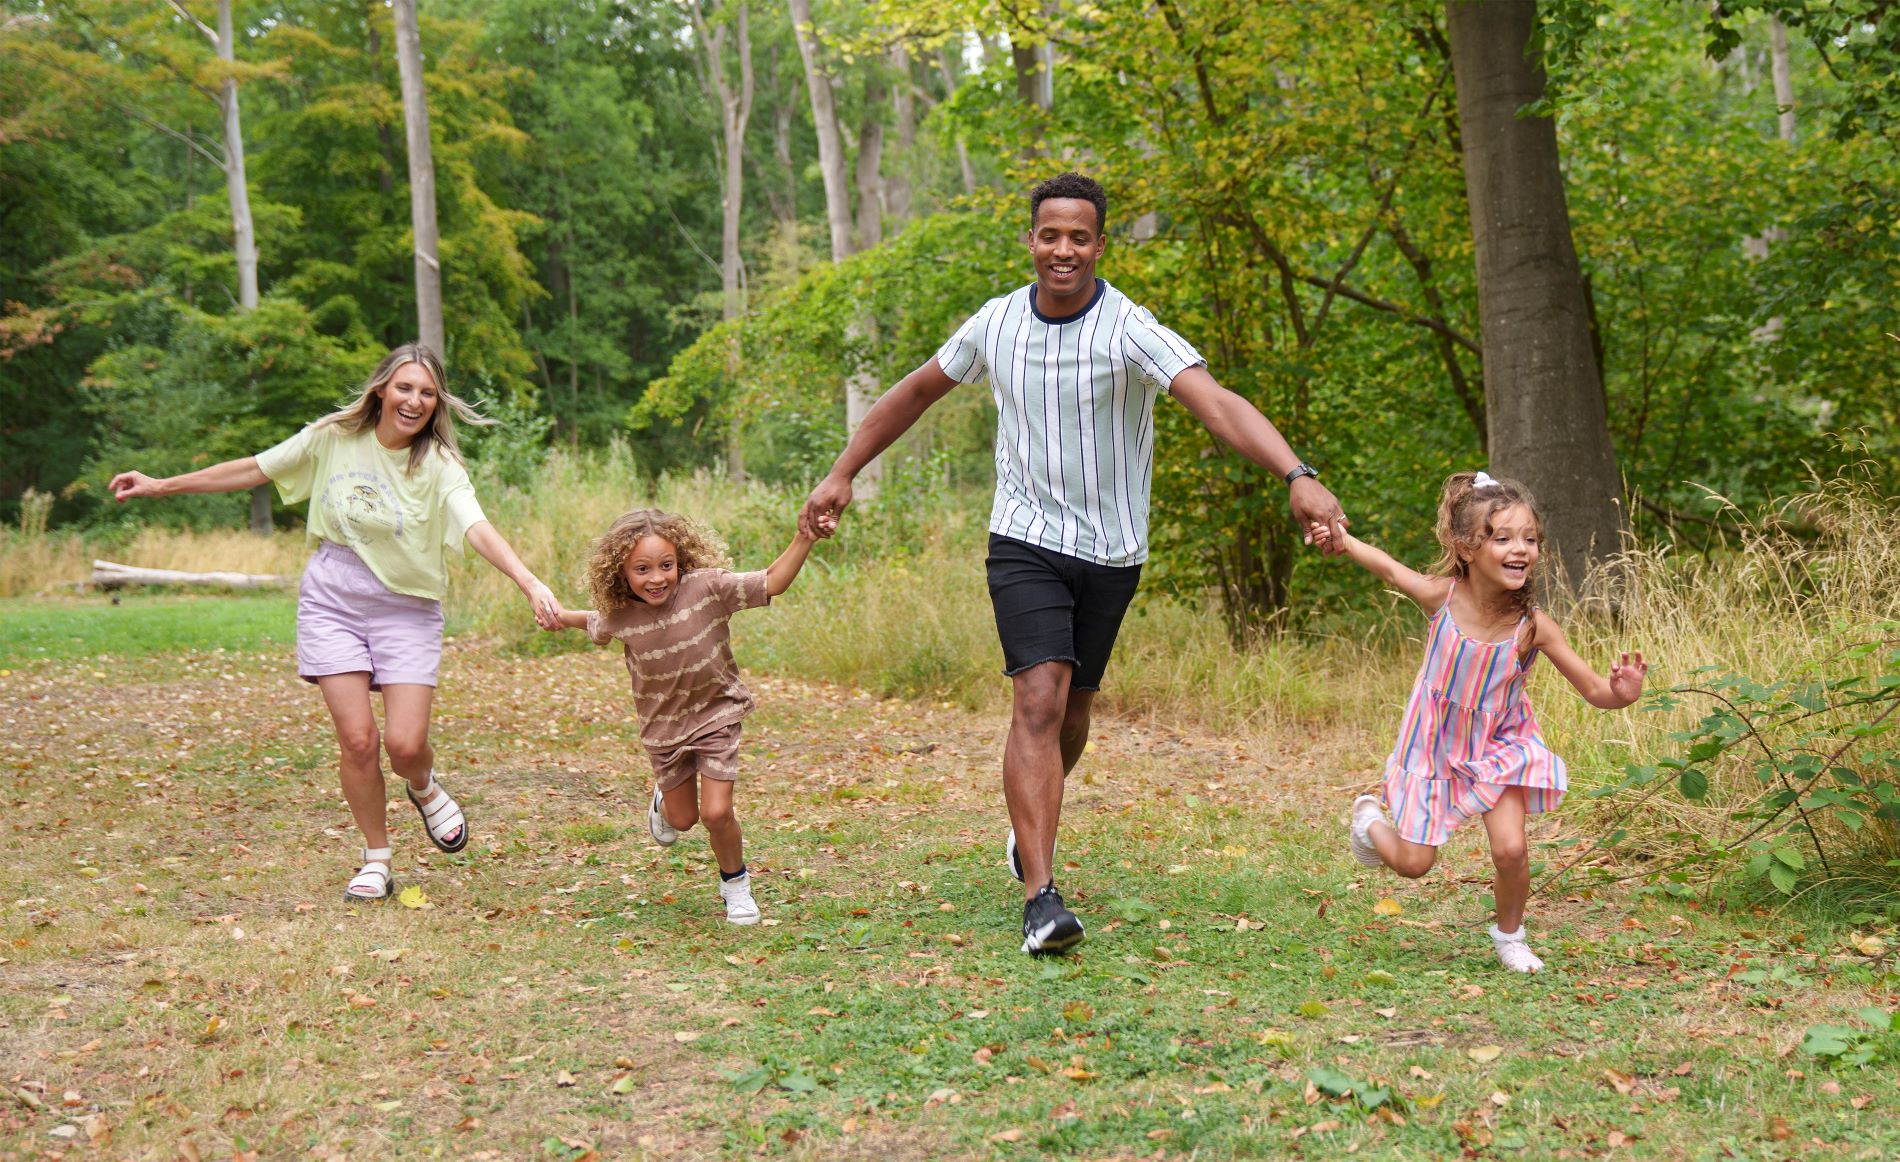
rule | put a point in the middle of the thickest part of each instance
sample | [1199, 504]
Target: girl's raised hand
[1626, 676]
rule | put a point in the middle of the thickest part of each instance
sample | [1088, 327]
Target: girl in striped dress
[1469, 744]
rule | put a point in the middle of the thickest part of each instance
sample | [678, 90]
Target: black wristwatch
[1303, 469]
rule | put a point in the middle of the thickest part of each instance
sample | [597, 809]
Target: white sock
[1502, 937]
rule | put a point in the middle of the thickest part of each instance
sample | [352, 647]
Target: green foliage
[1820, 751]
[774, 379]
[1854, 1047]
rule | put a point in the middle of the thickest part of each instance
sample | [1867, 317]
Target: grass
[180, 977]
[140, 625]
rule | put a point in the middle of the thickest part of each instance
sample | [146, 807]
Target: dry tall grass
[54, 562]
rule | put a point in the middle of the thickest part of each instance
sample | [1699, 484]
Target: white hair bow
[1483, 479]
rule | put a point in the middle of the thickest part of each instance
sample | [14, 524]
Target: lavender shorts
[349, 622]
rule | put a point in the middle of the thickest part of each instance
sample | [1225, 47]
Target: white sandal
[440, 816]
[374, 881]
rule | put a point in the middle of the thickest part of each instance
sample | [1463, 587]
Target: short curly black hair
[1071, 185]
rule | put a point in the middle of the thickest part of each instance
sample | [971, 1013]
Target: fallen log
[112, 575]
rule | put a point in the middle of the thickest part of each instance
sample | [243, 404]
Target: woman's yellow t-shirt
[363, 496]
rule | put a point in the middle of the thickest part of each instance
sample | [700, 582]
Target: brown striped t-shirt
[679, 655]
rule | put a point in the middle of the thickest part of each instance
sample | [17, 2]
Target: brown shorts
[713, 755]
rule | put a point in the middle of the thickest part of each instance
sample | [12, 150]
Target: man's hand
[1313, 505]
[827, 502]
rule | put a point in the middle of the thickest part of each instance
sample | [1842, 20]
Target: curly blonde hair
[1464, 521]
[697, 548]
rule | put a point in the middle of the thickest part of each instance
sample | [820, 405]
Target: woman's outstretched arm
[230, 476]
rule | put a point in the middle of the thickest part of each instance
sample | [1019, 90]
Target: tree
[1544, 402]
[237, 191]
[734, 102]
[415, 124]
[861, 386]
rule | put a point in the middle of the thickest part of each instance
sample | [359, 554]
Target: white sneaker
[1514, 952]
[1365, 812]
[664, 833]
[741, 908]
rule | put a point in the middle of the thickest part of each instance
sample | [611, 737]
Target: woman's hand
[547, 611]
[129, 485]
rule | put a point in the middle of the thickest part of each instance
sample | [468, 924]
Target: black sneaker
[1015, 857]
[1047, 925]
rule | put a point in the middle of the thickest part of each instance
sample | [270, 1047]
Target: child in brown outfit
[659, 588]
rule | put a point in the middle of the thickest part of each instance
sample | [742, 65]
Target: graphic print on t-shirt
[363, 507]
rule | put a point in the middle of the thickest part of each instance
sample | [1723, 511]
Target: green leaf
[1783, 878]
[1791, 857]
[1693, 783]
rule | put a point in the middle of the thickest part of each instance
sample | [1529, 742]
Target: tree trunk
[784, 204]
[1545, 407]
[871, 162]
[824, 115]
[1784, 78]
[735, 111]
[415, 123]
[860, 388]
[904, 121]
[243, 230]
[963, 148]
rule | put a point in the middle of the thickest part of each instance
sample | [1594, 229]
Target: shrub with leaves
[1807, 766]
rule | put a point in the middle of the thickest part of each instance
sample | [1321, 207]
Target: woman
[388, 495]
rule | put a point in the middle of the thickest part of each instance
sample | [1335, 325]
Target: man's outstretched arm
[1240, 426]
[889, 418]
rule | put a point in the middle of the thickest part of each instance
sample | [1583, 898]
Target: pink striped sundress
[1468, 734]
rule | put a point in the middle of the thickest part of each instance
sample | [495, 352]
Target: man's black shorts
[1051, 607]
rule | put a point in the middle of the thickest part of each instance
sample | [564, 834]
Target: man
[1075, 367]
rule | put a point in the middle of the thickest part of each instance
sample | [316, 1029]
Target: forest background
[682, 245]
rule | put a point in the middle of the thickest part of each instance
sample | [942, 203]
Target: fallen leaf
[1485, 1054]
[622, 1085]
[564, 1079]
[1778, 1129]
[685, 1035]
[413, 897]
[1387, 906]
[1500, 1099]
[1007, 1136]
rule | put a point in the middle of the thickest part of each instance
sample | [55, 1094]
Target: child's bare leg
[722, 824]
[680, 803]
[1409, 859]
[1510, 854]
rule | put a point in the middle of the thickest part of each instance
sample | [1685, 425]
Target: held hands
[547, 611]
[1315, 509]
[827, 502]
[127, 485]
[1626, 676]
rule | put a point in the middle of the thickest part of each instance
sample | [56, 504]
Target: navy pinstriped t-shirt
[1075, 417]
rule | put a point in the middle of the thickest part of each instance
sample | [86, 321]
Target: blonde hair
[367, 408]
[1465, 509]
[696, 546]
